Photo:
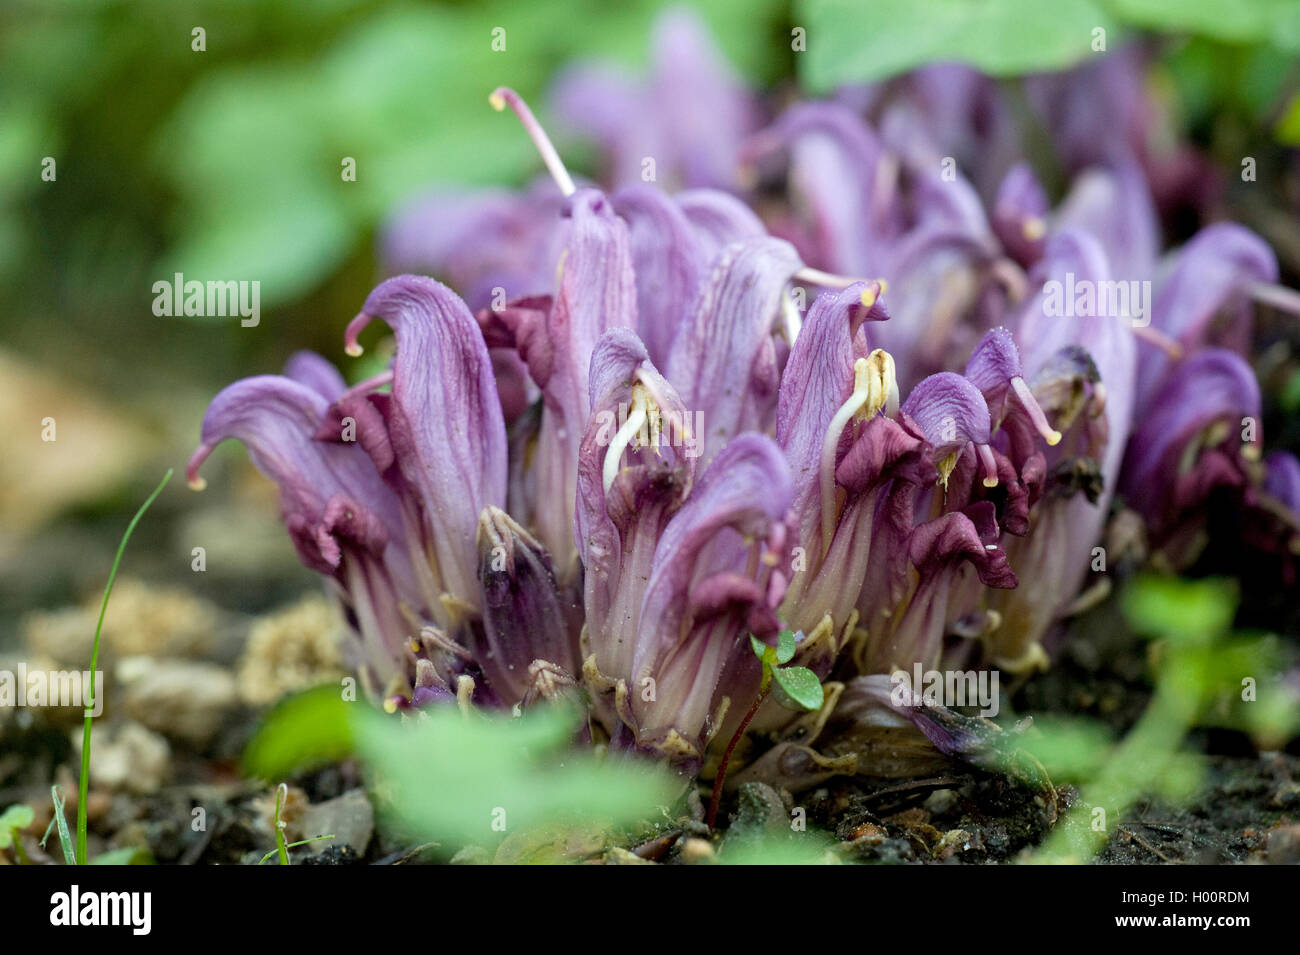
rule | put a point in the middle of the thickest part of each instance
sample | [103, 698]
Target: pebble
[184, 700]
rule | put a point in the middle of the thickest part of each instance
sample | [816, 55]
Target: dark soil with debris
[1248, 811]
[198, 809]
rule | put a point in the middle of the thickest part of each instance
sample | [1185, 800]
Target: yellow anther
[875, 387]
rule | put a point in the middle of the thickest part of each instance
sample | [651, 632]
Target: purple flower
[343, 520]
[1205, 299]
[439, 438]
[636, 466]
[479, 242]
[716, 577]
[723, 358]
[527, 626]
[1198, 434]
[686, 120]
[638, 452]
[673, 242]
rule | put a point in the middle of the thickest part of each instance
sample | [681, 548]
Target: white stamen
[812, 276]
[990, 465]
[635, 420]
[875, 386]
[1145, 333]
[504, 96]
[1278, 296]
[793, 321]
[1035, 411]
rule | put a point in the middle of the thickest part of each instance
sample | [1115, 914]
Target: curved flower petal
[1020, 214]
[688, 116]
[1282, 479]
[636, 467]
[719, 218]
[523, 617]
[696, 613]
[344, 522]
[844, 179]
[480, 241]
[723, 360]
[1208, 279]
[1190, 439]
[950, 411]
[1113, 204]
[445, 422]
[668, 260]
[317, 373]
[938, 549]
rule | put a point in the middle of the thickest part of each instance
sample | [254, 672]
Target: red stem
[721, 776]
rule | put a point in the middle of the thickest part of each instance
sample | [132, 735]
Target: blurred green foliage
[227, 161]
[855, 41]
[1203, 675]
[452, 777]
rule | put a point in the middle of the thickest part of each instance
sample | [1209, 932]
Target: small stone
[760, 811]
[183, 700]
[868, 832]
[619, 856]
[549, 844]
[44, 714]
[696, 851]
[1282, 845]
[128, 758]
[349, 818]
[291, 649]
[472, 855]
[141, 619]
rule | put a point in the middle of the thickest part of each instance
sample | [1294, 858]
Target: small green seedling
[12, 821]
[84, 782]
[60, 822]
[281, 847]
[797, 688]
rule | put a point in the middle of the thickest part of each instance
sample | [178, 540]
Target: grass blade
[84, 784]
[61, 821]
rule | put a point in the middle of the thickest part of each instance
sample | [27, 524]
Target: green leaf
[290, 845]
[1244, 21]
[1288, 134]
[13, 819]
[785, 646]
[307, 729]
[1071, 749]
[1181, 610]
[855, 41]
[132, 855]
[61, 822]
[761, 650]
[798, 688]
[476, 778]
[806, 848]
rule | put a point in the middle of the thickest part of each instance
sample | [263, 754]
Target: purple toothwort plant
[635, 449]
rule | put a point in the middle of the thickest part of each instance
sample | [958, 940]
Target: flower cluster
[630, 446]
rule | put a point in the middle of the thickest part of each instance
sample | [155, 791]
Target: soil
[1247, 811]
